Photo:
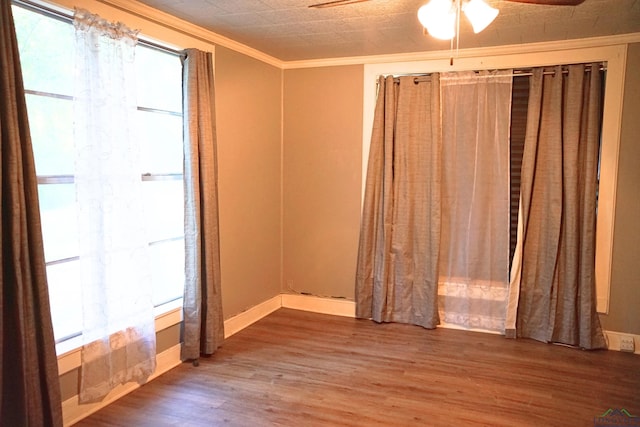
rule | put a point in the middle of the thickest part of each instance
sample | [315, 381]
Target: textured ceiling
[289, 30]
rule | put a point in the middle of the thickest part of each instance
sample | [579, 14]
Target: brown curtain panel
[30, 394]
[397, 270]
[558, 208]
[203, 321]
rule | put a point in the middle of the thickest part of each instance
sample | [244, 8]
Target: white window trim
[615, 56]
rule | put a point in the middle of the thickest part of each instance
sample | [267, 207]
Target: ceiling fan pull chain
[451, 52]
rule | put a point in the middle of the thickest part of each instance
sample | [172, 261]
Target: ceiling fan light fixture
[479, 14]
[439, 18]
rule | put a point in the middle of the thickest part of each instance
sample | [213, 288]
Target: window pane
[46, 52]
[65, 297]
[167, 271]
[164, 209]
[160, 136]
[156, 69]
[59, 221]
[51, 126]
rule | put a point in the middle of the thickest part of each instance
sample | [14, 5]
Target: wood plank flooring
[296, 368]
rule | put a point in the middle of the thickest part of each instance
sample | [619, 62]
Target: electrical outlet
[627, 344]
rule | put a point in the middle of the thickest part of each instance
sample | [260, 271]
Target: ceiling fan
[335, 3]
[441, 18]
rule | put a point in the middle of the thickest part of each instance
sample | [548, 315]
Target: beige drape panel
[553, 281]
[30, 394]
[203, 321]
[397, 271]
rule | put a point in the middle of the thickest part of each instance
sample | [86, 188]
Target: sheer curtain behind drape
[474, 244]
[203, 321]
[397, 270]
[30, 392]
[552, 296]
[118, 319]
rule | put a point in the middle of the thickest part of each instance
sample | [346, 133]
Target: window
[524, 56]
[46, 44]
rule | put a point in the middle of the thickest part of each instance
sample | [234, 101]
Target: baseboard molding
[347, 308]
[445, 325]
[73, 411]
[613, 340]
[334, 306]
[240, 321]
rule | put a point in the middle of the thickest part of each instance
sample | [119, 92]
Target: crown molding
[539, 47]
[176, 24]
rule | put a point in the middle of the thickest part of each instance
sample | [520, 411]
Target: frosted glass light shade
[479, 14]
[439, 18]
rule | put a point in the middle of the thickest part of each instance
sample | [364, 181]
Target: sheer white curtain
[118, 325]
[474, 243]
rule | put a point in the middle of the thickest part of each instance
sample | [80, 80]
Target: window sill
[167, 315]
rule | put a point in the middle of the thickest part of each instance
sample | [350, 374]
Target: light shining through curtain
[117, 294]
[474, 251]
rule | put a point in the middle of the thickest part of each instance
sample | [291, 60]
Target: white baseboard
[73, 411]
[347, 308]
[252, 315]
[445, 325]
[335, 306]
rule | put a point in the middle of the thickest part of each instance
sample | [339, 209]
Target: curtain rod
[420, 78]
[528, 72]
[66, 16]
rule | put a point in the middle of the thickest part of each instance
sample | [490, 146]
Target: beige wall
[248, 114]
[322, 179]
[624, 308]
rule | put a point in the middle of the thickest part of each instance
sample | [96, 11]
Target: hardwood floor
[295, 368]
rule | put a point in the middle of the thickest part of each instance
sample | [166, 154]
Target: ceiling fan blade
[335, 3]
[551, 2]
